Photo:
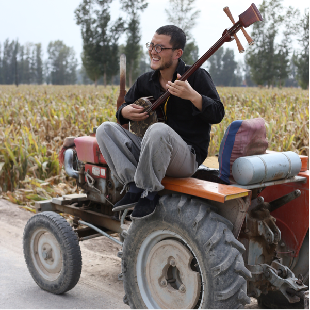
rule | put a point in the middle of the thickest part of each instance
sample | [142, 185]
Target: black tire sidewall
[129, 265]
[167, 217]
[70, 251]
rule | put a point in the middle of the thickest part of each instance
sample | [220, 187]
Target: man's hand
[183, 90]
[133, 112]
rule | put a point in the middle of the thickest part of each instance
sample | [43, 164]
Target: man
[175, 148]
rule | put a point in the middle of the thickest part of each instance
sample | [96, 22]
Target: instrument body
[139, 128]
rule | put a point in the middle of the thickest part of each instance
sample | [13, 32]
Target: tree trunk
[105, 79]
[16, 72]
[95, 82]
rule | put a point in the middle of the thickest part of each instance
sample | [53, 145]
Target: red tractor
[208, 244]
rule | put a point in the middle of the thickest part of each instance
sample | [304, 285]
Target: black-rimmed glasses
[158, 48]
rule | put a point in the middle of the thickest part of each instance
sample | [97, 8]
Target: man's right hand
[134, 112]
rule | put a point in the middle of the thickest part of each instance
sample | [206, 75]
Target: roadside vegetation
[34, 121]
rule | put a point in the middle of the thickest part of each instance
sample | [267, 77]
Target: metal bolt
[182, 288]
[260, 199]
[172, 262]
[282, 244]
[163, 283]
[300, 280]
[297, 192]
[267, 274]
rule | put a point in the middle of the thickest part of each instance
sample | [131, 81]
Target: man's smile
[155, 58]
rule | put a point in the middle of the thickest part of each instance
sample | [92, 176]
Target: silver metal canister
[267, 167]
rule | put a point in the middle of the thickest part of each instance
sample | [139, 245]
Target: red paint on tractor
[292, 218]
[88, 150]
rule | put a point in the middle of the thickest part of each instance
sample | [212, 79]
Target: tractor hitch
[280, 277]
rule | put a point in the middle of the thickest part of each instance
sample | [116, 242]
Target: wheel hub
[46, 254]
[171, 280]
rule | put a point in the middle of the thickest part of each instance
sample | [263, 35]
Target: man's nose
[153, 51]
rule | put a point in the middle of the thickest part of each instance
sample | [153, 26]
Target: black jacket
[182, 116]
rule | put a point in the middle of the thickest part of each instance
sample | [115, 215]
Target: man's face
[164, 59]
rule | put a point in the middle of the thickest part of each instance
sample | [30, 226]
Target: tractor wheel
[183, 256]
[52, 252]
[276, 300]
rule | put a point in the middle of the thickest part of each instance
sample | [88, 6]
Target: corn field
[34, 121]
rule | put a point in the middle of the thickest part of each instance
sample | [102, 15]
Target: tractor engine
[86, 164]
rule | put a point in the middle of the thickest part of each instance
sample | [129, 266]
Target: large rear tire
[52, 252]
[276, 300]
[183, 256]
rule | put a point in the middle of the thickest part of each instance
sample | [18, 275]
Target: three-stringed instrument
[246, 19]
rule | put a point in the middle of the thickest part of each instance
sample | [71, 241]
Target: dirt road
[98, 286]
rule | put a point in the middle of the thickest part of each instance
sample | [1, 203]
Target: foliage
[223, 68]
[100, 39]
[21, 64]
[36, 119]
[268, 59]
[61, 63]
[191, 53]
[302, 60]
[39, 64]
[132, 47]
[285, 111]
[182, 14]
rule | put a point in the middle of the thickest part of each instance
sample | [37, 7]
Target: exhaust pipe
[68, 164]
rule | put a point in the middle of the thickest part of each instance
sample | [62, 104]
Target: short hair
[178, 37]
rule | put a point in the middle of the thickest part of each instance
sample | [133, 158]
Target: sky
[42, 21]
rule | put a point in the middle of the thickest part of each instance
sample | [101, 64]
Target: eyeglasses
[158, 48]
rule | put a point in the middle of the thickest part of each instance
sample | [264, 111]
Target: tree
[21, 64]
[39, 64]
[100, 39]
[223, 68]
[302, 59]
[247, 74]
[62, 63]
[33, 67]
[8, 62]
[291, 81]
[26, 65]
[132, 47]
[181, 14]
[113, 61]
[269, 60]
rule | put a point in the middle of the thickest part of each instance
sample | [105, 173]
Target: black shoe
[128, 201]
[145, 207]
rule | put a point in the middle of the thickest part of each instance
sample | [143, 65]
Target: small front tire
[52, 252]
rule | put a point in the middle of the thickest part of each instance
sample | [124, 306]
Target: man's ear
[179, 53]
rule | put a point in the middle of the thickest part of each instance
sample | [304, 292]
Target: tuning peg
[228, 13]
[240, 47]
